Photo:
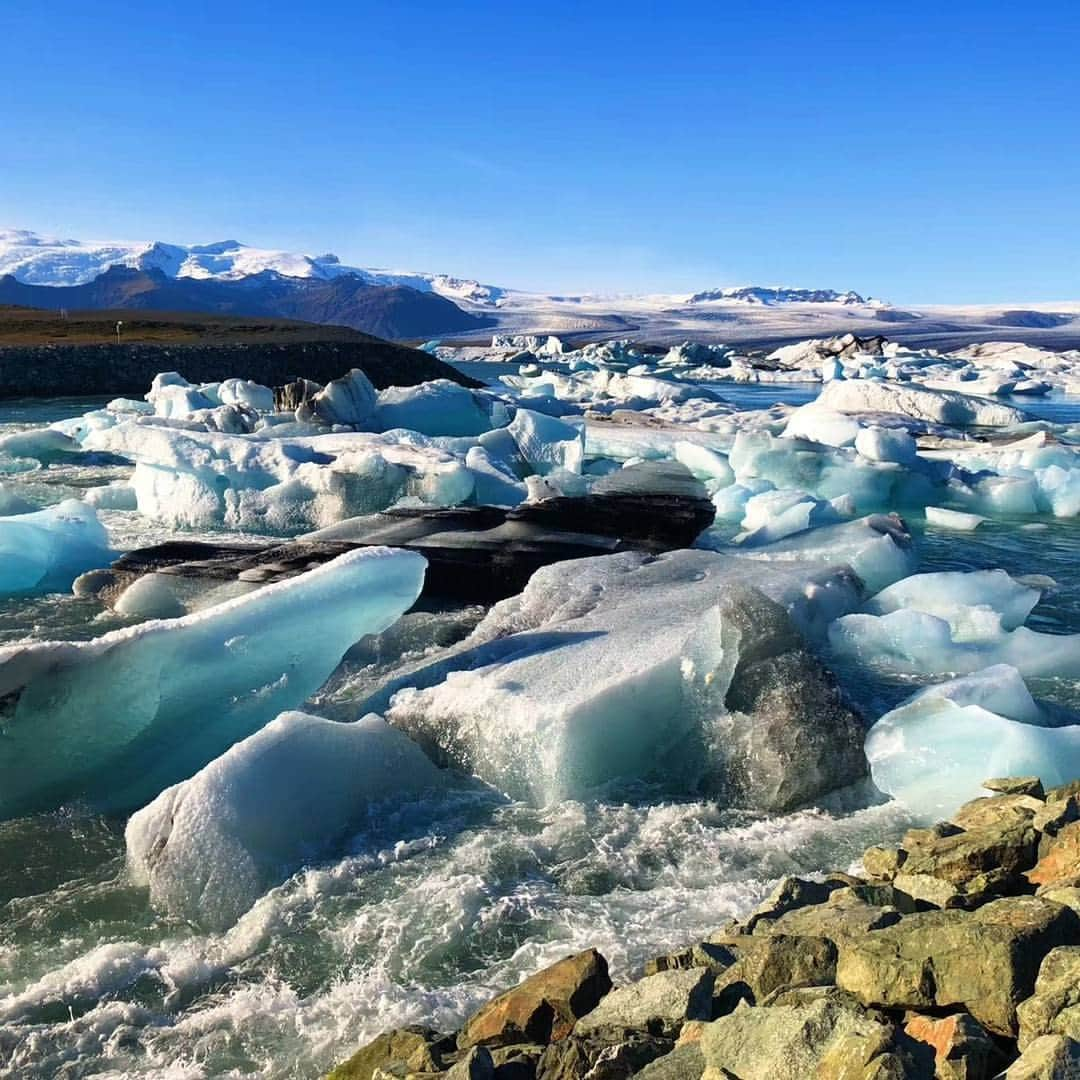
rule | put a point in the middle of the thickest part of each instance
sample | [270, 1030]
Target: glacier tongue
[210, 846]
[115, 720]
[621, 668]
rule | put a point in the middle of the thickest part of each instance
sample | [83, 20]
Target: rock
[1054, 1007]
[962, 1048]
[821, 1034]
[703, 955]
[516, 1062]
[416, 1049]
[1063, 791]
[997, 812]
[838, 921]
[774, 963]
[658, 1004]
[542, 1008]
[1016, 785]
[1049, 1057]
[685, 1062]
[600, 1057]
[1060, 858]
[1054, 814]
[985, 961]
[477, 1064]
[883, 863]
[1069, 895]
[790, 894]
[930, 890]
[291, 396]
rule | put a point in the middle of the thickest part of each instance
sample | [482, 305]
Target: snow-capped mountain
[40, 260]
[756, 294]
[229, 276]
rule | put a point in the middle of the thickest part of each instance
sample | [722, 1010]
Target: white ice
[210, 846]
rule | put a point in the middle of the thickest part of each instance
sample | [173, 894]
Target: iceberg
[45, 551]
[546, 443]
[687, 667]
[210, 846]
[201, 479]
[934, 751]
[950, 407]
[439, 407]
[115, 720]
[954, 622]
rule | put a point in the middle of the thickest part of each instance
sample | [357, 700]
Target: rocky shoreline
[955, 955]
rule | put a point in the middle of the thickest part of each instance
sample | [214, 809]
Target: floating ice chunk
[46, 550]
[42, 444]
[12, 503]
[439, 407]
[210, 846]
[944, 518]
[250, 395]
[772, 515]
[821, 425]
[493, 482]
[617, 668]
[886, 444]
[937, 406]
[934, 751]
[117, 719]
[546, 443]
[119, 495]
[877, 548]
[957, 637]
[174, 402]
[705, 463]
[350, 401]
[950, 593]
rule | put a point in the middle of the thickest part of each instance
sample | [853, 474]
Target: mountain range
[229, 277]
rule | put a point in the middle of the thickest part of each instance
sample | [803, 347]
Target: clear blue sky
[922, 152]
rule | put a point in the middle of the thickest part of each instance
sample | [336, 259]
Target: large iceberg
[200, 479]
[115, 720]
[209, 846]
[46, 550]
[918, 402]
[685, 667]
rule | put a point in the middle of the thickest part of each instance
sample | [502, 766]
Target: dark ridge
[1035, 320]
[393, 311]
[45, 355]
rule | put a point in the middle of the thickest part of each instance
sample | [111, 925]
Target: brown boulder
[542, 1008]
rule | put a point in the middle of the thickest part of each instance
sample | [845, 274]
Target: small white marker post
[118, 325]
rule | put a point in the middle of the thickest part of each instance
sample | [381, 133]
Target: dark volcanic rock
[84, 370]
[476, 554]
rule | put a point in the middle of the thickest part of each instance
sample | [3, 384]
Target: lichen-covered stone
[768, 964]
[1016, 785]
[1054, 1007]
[659, 1004]
[985, 961]
[416, 1049]
[822, 1034]
[1049, 1057]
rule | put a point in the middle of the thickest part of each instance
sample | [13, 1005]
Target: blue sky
[919, 152]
